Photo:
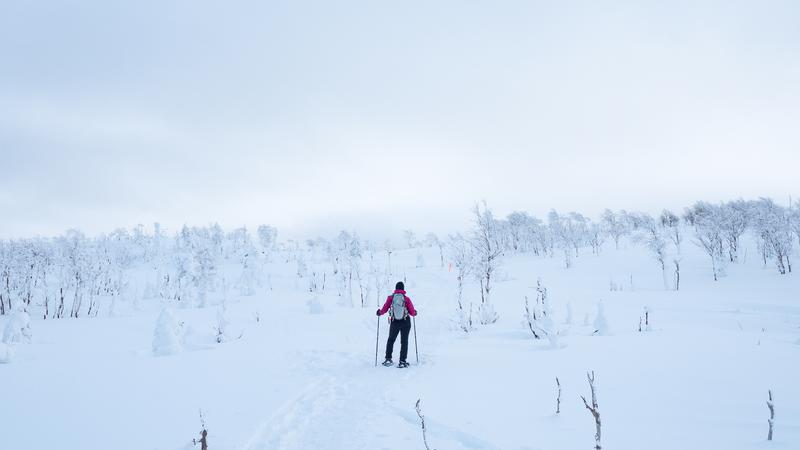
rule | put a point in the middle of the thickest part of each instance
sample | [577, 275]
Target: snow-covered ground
[287, 378]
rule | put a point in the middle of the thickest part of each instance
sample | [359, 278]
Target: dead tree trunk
[594, 410]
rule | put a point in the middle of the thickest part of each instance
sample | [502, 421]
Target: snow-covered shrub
[462, 319]
[222, 324]
[167, 338]
[534, 320]
[600, 323]
[314, 306]
[568, 320]
[249, 276]
[302, 269]
[539, 318]
[6, 353]
[18, 328]
[487, 313]
[420, 260]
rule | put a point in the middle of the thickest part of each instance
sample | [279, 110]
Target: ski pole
[416, 349]
[377, 337]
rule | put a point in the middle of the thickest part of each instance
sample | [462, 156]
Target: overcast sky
[376, 116]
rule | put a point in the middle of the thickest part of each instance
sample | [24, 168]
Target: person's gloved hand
[378, 312]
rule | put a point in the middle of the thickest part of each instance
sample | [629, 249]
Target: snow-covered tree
[578, 227]
[410, 238]
[734, 220]
[302, 267]
[517, 226]
[614, 225]
[267, 237]
[653, 236]
[559, 228]
[250, 273]
[601, 327]
[183, 277]
[671, 223]
[434, 241]
[489, 251]
[794, 220]
[167, 338]
[773, 226]
[709, 236]
[596, 237]
[461, 253]
[204, 270]
[420, 260]
[569, 232]
[346, 256]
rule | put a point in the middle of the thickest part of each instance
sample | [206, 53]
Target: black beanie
[400, 286]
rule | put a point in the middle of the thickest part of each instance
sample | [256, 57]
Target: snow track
[293, 425]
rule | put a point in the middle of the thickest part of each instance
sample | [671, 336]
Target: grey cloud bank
[316, 116]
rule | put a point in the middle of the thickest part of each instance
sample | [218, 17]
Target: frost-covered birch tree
[488, 249]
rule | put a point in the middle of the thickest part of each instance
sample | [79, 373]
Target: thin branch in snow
[203, 441]
[771, 419]
[558, 399]
[422, 419]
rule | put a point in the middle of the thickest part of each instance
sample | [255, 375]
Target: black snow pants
[403, 327]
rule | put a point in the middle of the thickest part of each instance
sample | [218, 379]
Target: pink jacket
[388, 304]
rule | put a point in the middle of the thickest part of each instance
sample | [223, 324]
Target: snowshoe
[402, 365]
[388, 363]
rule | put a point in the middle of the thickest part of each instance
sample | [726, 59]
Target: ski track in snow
[346, 408]
[291, 426]
[442, 432]
[316, 416]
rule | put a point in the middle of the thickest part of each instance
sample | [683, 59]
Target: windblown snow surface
[304, 377]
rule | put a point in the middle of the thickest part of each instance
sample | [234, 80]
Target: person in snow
[400, 316]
